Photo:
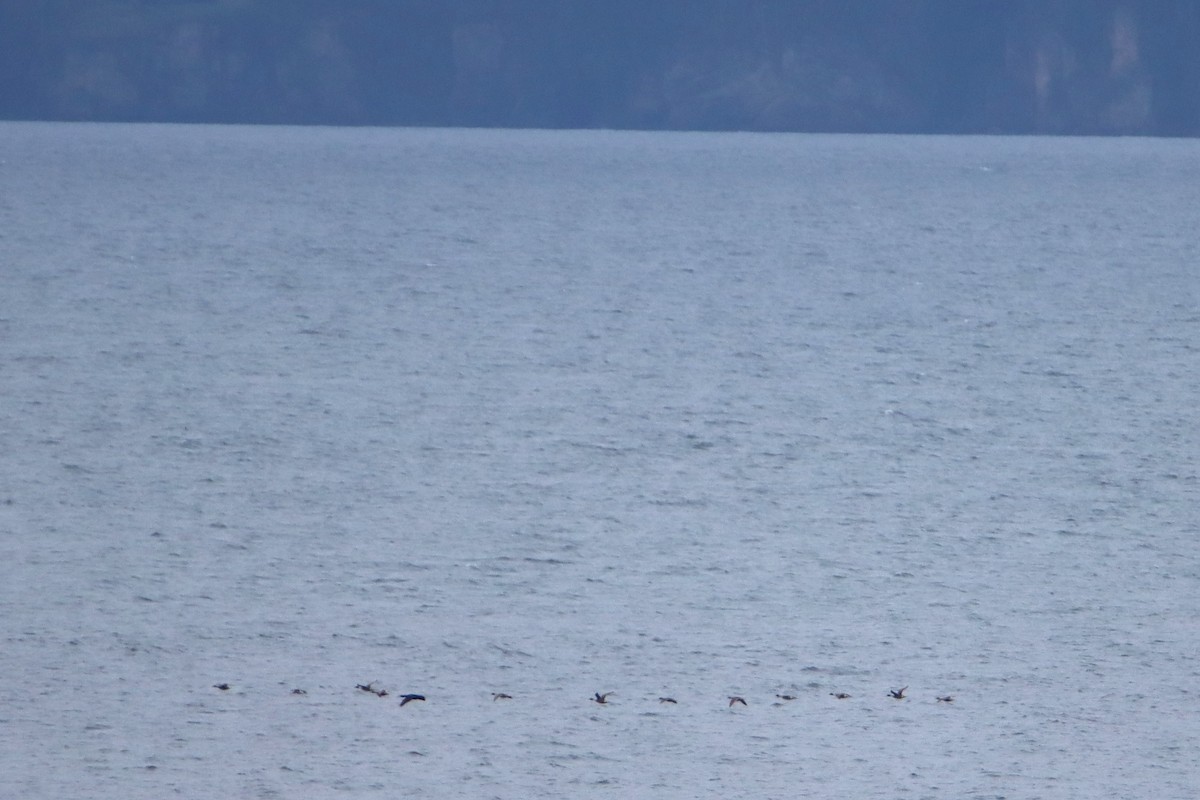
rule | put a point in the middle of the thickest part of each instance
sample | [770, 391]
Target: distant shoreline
[1067, 67]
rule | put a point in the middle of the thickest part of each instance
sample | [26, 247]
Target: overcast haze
[952, 66]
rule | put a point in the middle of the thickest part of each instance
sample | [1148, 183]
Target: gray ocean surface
[555, 413]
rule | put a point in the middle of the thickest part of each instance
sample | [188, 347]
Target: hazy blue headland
[863, 66]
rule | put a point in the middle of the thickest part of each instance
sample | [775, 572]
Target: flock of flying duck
[735, 700]
[602, 699]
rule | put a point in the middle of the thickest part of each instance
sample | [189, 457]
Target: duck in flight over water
[735, 699]
[946, 699]
[405, 699]
[500, 696]
[602, 699]
[897, 694]
[668, 700]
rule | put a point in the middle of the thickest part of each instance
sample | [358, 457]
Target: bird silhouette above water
[839, 695]
[897, 694]
[500, 696]
[735, 699]
[602, 699]
[405, 699]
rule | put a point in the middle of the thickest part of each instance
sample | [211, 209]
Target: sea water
[556, 413]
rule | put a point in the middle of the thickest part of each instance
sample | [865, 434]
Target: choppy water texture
[552, 414]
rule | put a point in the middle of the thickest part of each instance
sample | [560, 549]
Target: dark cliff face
[961, 66]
